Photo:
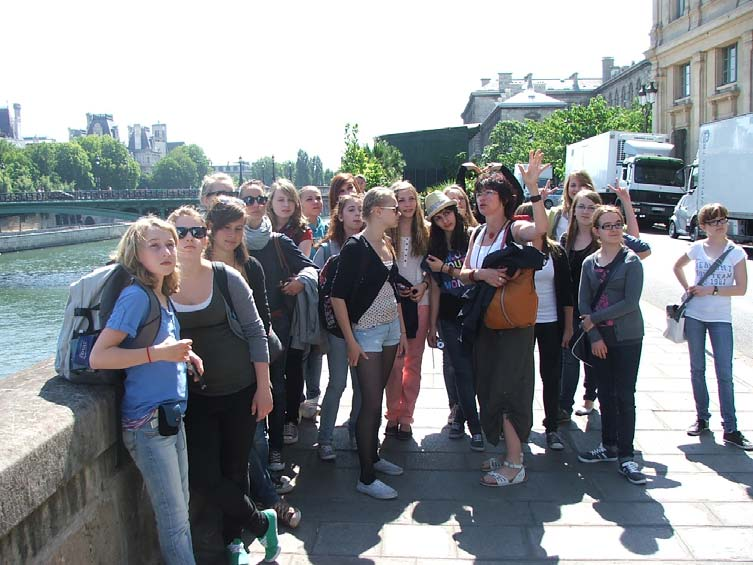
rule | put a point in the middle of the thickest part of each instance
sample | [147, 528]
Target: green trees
[46, 166]
[381, 165]
[111, 164]
[183, 167]
[510, 141]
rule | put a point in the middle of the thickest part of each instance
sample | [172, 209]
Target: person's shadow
[729, 463]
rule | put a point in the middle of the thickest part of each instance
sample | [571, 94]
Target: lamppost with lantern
[240, 171]
[646, 98]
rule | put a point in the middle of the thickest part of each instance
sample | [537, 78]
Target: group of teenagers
[242, 340]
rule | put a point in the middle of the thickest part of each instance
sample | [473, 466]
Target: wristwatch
[535, 198]
[716, 290]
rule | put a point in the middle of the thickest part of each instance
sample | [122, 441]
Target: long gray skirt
[504, 378]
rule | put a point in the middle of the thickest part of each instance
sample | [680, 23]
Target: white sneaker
[327, 452]
[309, 408]
[289, 433]
[377, 489]
[384, 466]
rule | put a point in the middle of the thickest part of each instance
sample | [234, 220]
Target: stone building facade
[147, 145]
[701, 53]
[96, 124]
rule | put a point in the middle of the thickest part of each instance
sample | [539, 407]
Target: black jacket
[360, 276]
[514, 256]
[274, 272]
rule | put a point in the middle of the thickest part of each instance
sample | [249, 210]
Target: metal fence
[88, 195]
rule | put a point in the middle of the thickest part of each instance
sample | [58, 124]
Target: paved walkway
[696, 508]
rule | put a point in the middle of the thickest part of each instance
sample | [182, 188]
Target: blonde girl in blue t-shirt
[155, 380]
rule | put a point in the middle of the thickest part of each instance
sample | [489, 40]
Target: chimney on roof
[17, 120]
[574, 77]
[485, 82]
[607, 65]
[505, 80]
[529, 81]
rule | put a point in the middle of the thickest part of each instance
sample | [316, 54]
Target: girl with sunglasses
[234, 395]
[710, 311]
[283, 265]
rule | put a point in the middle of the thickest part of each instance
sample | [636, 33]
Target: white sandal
[491, 464]
[500, 480]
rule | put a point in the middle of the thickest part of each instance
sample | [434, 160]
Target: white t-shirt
[544, 279]
[561, 228]
[713, 308]
[409, 266]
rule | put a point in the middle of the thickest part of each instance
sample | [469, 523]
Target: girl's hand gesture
[355, 353]
[533, 172]
[599, 349]
[175, 351]
[434, 264]
[261, 405]
[402, 347]
[622, 192]
[417, 292]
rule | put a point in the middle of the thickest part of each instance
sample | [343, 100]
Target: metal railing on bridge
[88, 195]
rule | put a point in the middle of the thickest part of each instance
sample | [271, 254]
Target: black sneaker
[554, 441]
[457, 431]
[631, 472]
[737, 439]
[599, 455]
[563, 416]
[698, 427]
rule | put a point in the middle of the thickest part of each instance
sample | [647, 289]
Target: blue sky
[258, 78]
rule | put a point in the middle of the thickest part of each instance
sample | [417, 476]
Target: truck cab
[655, 180]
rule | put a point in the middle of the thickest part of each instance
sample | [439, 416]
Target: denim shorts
[374, 339]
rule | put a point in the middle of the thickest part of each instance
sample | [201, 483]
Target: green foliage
[302, 169]
[73, 166]
[381, 165]
[49, 166]
[199, 158]
[116, 168]
[176, 170]
[510, 141]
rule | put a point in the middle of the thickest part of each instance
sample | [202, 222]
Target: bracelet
[147, 353]
[535, 198]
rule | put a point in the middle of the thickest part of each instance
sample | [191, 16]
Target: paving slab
[696, 508]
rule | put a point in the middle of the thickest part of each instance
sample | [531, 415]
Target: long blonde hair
[336, 231]
[127, 253]
[288, 188]
[419, 229]
[583, 177]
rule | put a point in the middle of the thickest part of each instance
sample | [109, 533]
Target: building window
[679, 8]
[728, 65]
[683, 82]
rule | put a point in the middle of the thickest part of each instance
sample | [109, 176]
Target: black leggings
[219, 432]
[373, 374]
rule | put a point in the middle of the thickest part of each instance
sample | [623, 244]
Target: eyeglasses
[584, 208]
[718, 222]
[260, 200]
[393, 208]
[221, 193]
[197, 232]
[612, 227]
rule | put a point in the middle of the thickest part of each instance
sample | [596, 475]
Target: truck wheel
[548, 204]
[672, 230]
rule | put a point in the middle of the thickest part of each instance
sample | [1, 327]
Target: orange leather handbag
[514, 305]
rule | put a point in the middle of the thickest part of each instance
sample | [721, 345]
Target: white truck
[720, 173]
[643, 163]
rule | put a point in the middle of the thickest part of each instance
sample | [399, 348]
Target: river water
[33, 293]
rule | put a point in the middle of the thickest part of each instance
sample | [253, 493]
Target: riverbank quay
[41, 239]
[696, 508]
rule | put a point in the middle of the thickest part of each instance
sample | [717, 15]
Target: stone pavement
[696, 508]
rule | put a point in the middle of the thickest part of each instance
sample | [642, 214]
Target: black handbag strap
[714, 266]
[602, 287]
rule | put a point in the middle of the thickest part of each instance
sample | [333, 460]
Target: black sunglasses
[249, 200]
[222, 193]
[197, 232]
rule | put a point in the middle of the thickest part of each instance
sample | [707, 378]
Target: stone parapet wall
[63, 499]
[53, 238]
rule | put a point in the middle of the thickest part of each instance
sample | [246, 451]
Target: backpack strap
[220, 275]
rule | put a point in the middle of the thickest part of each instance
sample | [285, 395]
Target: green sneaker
[269, 540]
[236, 553]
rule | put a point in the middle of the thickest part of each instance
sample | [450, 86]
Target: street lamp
[274, 178]
[646, 98]
[96, 172]
[240, 174]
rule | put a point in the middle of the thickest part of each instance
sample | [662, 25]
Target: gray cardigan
[623, 292]
[246, 323]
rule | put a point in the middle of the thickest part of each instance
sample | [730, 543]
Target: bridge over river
[121, 204]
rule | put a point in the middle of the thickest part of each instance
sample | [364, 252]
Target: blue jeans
[337, 361]
[462, 363]
[262, 488]
[163, 462]
[312, 371]
[722, 344]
